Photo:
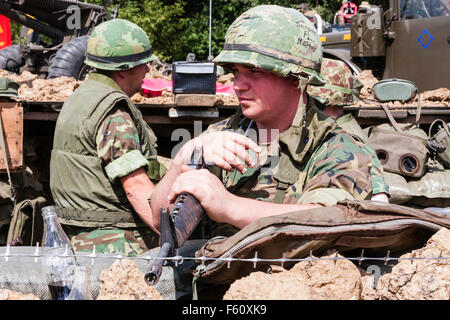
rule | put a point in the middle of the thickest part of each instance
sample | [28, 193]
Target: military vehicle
[54, 36]
[410, 40]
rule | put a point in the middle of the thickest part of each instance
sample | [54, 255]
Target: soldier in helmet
[342, 88]
[276, 53]
[104, 155]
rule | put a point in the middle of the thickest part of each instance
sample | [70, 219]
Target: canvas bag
[372, 225]
[401, 148]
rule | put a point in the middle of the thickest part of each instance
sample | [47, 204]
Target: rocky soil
[124, 281]
[59, 89]
[6, 294]
[343, 280]
[33, 88]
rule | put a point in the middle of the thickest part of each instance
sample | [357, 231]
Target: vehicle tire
[69, 60]
[11, 58]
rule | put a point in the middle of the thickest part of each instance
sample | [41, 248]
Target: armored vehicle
[54, 36]
[410, 40]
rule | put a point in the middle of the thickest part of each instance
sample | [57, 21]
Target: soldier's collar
[95, 76]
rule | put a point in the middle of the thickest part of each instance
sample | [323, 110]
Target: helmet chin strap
[299, 117]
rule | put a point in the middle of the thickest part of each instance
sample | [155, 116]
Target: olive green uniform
[98, 141]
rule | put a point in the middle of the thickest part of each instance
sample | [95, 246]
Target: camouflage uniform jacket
[332, 165]
[349, 124]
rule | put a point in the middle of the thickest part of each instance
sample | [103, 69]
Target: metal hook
[255, 259]
[310, 258]
[283, 259]
[228, 260]
[177, 258]
[361, 257]
[335, 258]
[386, 259]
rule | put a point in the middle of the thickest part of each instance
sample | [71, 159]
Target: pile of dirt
[124, 281]
[6, 294]
[33, 88]
[57, 89]
[165, 98]
[318, 280]
[422, 279]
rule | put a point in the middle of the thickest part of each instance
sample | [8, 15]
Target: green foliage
[178, 27]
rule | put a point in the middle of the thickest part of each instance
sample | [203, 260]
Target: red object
[5, 32]
[348, 10]
[155, 87]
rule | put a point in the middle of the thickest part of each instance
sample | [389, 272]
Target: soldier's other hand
[224, 149]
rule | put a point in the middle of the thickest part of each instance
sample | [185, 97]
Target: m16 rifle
[178, 224]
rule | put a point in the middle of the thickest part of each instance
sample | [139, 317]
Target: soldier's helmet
[8, 88]
[118, 45]
[341, 88]
[276, 39]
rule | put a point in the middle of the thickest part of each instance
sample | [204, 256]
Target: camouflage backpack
[117, 45]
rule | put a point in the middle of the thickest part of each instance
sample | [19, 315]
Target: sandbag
[432, 190]
[398, 188]
[371, 225]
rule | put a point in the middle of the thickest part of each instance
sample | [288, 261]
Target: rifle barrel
[155, 268]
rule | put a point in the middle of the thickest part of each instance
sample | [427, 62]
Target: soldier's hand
[208, 190]
[224, 149]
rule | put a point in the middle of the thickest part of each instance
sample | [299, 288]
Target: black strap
[123, 59]
[273, 54]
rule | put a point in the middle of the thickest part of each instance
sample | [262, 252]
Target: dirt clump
[264, 286]
[124, 281]
[55, 90]
[439, 95]
[6, 294]
[330, 280]
[318, 280]
[421, 279]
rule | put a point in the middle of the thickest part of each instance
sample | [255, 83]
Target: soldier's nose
[240, 83]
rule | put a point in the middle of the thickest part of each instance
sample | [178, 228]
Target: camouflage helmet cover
[277, 39]
[117, 45]
[341, 88]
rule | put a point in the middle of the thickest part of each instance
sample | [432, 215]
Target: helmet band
[273, 54]
[123, 59]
